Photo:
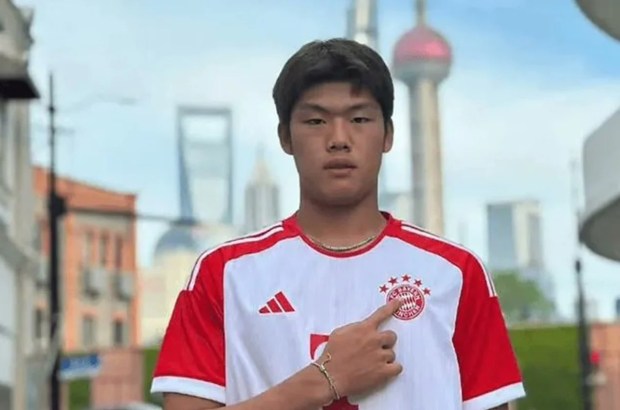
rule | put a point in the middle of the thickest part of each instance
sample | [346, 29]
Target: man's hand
[362, 357]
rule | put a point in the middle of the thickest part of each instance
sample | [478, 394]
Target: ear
[284, 133]
[388, 138]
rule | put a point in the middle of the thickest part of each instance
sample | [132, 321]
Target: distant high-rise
[515, 242]
[362, 22]
[205, 163]
[362, 26]
[422, 59]
[514, 235]
[205, 158]
[262, 196]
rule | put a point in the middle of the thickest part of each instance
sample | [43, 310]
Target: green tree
[521, 299]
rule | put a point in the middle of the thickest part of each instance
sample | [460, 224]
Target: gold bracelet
[325, 373]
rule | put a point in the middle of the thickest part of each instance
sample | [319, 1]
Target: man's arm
[306, 390]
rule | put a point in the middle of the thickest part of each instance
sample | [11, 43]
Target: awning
[600, 222]
[605, 14]
[15, 81]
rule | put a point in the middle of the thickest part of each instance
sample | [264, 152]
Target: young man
[340, 306]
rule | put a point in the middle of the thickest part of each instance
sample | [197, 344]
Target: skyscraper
[205, 163]
[362, 26]
[514, 235]
[205, 158]
[515, 242]
[262, 196]
[422, 59]
[362, 22]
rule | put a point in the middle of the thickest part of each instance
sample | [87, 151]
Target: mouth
[339, 165]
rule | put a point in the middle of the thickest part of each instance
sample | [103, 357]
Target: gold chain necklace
[343, 248]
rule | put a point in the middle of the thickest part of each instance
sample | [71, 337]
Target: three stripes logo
[277, 304]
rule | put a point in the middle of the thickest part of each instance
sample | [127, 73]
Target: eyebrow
[306, 106]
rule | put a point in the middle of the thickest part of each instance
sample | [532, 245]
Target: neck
[340, 226]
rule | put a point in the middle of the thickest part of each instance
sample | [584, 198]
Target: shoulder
[470, 265]
[214, 260]
[458, 255]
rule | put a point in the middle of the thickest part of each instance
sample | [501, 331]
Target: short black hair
[333, 60]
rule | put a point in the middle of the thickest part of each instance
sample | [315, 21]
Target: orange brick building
[99, 276]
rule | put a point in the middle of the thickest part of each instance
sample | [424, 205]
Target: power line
[134, 215]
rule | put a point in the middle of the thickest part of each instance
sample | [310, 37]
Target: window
[87, 248]
[118, 253]
[39, 325]
[103, 250]
[89, 335]
[118, 332]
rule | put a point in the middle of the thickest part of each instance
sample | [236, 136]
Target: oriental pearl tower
[422, 60]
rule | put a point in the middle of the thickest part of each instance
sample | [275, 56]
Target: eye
[314, 121]
[361, 120]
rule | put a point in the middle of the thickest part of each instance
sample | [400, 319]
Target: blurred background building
[18, 263]
[600, 221]
[262, 196]
[205, 186]
[515, 242]
[422, 59]
[101, 296]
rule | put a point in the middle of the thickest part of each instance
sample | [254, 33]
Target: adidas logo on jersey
[277, 304]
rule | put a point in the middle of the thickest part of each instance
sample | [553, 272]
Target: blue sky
[528, 85]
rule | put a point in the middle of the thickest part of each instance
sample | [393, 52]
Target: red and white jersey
[258, 309]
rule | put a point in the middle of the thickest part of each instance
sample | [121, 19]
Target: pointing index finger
[384, 312]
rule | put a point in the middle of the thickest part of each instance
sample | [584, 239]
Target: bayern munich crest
[411, 292]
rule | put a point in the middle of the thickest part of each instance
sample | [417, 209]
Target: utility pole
[583, 328]
[56, 208]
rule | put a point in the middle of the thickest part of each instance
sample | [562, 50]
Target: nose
[339, 136]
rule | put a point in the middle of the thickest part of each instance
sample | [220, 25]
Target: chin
[341, 198]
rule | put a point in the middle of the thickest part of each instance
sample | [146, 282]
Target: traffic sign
[79, 367]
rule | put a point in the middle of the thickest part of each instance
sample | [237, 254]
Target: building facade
[98, 267]
[17, 258]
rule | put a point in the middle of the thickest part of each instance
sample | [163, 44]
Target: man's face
[337, 136]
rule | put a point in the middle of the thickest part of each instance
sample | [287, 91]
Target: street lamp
[585, 359]
[56, 209]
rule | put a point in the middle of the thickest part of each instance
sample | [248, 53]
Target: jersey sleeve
[490, 374]
[192, 359]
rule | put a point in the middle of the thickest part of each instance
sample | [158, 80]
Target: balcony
[124, 286]
[15, 80]
[94, 280]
